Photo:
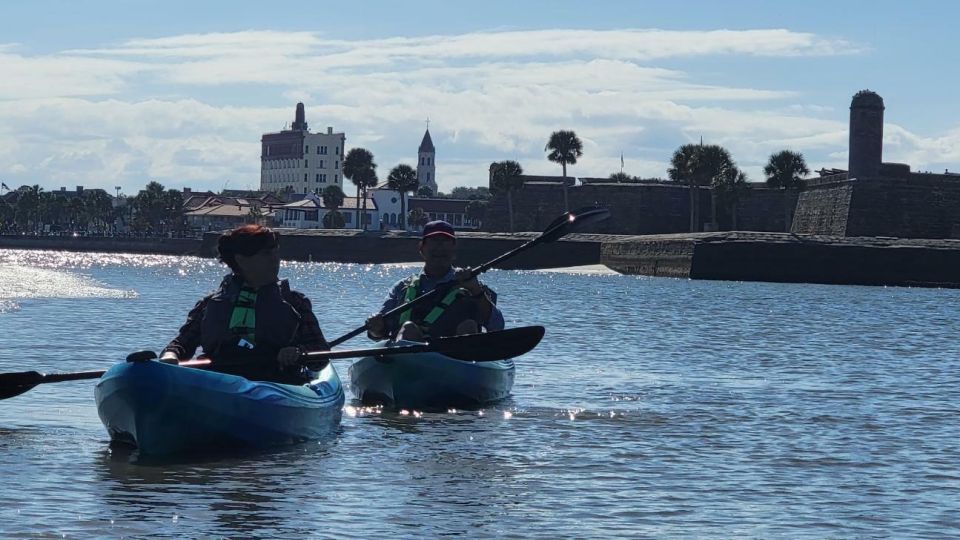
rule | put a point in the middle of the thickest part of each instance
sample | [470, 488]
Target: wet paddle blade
[490, 346]
[14, 384]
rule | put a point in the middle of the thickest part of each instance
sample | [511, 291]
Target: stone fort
[870, 198]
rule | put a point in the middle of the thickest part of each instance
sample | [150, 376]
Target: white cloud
[103, 116]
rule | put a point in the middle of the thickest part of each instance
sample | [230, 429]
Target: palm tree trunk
[713, 209]
[363, 193]
[693, 207]
[403, 210]
[566, 202]
[357, 208]
[510, 207]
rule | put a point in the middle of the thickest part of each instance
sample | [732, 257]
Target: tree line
[31, 209]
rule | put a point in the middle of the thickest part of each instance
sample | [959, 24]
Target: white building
[308, 213]
[298, 161]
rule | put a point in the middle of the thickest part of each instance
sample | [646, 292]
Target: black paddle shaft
[557, 228]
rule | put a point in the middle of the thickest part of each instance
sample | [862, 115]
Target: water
[653, 408]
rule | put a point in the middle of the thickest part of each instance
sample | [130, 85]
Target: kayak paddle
[559, 227]
[485, 347]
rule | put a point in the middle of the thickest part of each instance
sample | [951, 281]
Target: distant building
[453, 211]
[212, 212]
[295, 160]
[426, 163]
[877, 198]
[308, 213]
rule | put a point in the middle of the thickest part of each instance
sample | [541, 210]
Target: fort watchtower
[866, 135]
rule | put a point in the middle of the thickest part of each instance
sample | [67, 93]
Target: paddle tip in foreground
[573, 220]
[588, 215]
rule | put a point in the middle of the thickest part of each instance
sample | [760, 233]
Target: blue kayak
[429, 380]
[168, 409]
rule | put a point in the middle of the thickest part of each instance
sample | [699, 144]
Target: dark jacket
[284, 318]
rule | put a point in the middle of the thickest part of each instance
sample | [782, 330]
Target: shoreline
[728, 256]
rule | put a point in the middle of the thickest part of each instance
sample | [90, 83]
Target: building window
[429, 161]
[318, 178]
[347, 217]
[306, 163]
[336, 178]
[323, 149]
[428, 177]
[306, 177]
[421, 160]
[336, 164]
[307, 151]
[323, 179]
[337, 149]
[321, 163]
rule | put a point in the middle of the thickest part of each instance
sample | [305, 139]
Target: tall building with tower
[296, 160]
[426, 165]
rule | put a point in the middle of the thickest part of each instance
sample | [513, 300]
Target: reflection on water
[653, 407]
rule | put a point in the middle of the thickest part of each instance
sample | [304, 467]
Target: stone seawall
[107, 244]
[473, 249]
[347, 246]
[744, 256]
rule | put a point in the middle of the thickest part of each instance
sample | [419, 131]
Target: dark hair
[247, 240]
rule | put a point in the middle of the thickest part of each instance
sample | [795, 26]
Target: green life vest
[243, 319]
[413, 286]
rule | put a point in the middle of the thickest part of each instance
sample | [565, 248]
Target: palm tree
[729, 187]
[565, 147]
[699, 165]
[99, 207]
[77, 210]
[506, 179]
[333, 198]
[404, 179]
[172, 213]
[359, 168]
[28, 206]
[786, 169]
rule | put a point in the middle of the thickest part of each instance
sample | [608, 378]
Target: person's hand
[169, 357]
[469, 283]
[288, 356]
[376, 327]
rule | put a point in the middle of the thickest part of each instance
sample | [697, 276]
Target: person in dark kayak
[254, 325]
[463, 308]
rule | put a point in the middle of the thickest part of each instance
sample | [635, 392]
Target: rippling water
[654, 407]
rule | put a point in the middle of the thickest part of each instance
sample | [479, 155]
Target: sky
[117, 94]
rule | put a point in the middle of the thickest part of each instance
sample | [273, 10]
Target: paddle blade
[491, 346]
[14, 384]
[571, 221]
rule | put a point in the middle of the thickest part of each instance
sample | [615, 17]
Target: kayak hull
[429, 380]
[168, 409]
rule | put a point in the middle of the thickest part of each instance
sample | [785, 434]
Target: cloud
[165, 108]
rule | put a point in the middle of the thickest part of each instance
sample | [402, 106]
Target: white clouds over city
[188, 110]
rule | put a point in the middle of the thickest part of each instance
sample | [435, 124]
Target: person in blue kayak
[254, 325]
[466, 307]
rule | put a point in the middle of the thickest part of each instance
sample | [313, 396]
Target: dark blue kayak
[168, 409]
